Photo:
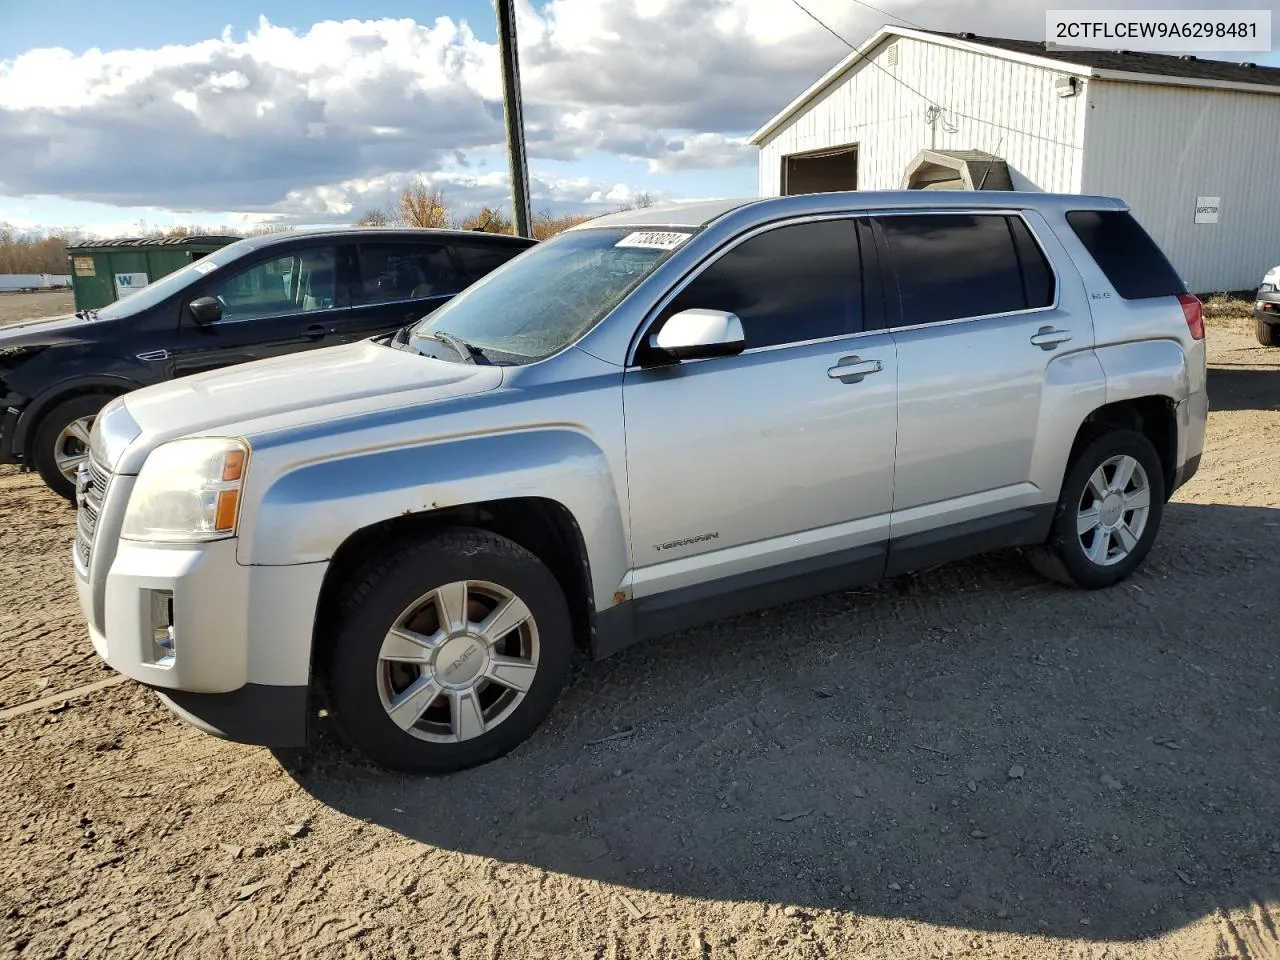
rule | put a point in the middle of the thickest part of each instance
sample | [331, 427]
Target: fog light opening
[162, 640]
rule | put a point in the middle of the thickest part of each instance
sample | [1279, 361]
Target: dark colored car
[252, 299]
[1266, 310]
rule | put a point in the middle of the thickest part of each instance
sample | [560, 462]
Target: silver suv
[656, 419]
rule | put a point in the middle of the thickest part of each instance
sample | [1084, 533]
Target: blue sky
[81, 24]
[315, 122]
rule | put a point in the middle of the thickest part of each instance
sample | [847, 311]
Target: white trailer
[32, 282]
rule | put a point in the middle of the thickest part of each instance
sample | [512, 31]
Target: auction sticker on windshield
[654, 239]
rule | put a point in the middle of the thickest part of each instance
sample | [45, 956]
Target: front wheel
[61, 442]
[448, 654]
[1268, 334]
[1108, 513]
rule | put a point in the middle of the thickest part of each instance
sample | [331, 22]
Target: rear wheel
[1268, 334]
[1108, 513]
[61, 441]
[448, 654]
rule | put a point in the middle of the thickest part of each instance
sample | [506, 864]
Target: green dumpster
[103, 271]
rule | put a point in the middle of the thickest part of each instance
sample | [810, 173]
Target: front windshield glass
[172, 283]
[549, 296]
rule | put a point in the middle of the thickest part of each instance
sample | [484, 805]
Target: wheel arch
[544, 527]
[1153, 415]
[49, 399]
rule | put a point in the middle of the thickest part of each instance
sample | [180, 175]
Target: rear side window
[1037, 278]
[1126, 253]
[951, 266]
[406, 271]
[481, 258]
[789, 285]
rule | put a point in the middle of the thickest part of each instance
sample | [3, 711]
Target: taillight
[1193, 310]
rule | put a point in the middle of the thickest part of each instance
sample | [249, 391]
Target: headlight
[188, 491]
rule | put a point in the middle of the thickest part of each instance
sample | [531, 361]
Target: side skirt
[628, 623]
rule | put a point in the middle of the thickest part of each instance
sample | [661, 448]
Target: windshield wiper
[87, 314]
[467, 351]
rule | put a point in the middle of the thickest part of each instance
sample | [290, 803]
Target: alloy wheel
[458, 661]
[1113, 510]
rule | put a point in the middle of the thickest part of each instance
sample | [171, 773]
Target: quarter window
[406, 271]
[791, 284]
[1126, 253]
[951, 266]
[302, 282]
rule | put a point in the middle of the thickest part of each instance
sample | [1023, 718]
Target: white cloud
[326, 121]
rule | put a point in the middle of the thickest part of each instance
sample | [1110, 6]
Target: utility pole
[513, 113]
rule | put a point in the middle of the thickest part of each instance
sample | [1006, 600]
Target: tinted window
[955, 265]
[789, 285]
[299, 282]
[1037, 277]
[406, 271]
[481, 258]
[1126, 253]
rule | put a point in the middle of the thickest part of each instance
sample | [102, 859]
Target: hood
[301, 388]
[42, 333]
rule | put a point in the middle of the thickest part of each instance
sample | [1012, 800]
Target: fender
[1145, 368]
[51, 396]
[306, 512]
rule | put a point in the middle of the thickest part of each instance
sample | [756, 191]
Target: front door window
[301, 282]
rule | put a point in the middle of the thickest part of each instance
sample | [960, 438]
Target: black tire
[1062, 556]
[1268, 334]
[373, 601]
[45, 441]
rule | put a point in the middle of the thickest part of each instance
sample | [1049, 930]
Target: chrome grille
[91, 486]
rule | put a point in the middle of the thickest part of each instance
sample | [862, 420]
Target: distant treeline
[25, 251]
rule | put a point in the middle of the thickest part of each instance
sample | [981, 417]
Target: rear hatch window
[1126, 253]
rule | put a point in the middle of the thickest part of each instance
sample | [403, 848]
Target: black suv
[252, 299]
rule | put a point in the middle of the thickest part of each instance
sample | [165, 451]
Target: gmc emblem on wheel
[461, 660]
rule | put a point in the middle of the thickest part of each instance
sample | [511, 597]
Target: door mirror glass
[206, 310]
[691, 334]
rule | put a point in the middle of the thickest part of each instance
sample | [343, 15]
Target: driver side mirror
[697, 333]
[205, 310]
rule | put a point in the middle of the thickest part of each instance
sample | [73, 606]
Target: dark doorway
[820, 171]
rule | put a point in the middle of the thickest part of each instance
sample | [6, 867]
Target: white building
[1192, 145]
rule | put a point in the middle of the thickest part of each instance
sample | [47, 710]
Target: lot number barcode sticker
[653, 240]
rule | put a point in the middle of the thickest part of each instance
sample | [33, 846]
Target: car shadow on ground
[969, 746]
[1245, 386]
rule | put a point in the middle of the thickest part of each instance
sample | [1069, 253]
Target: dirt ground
[965, 763]
[20, 306]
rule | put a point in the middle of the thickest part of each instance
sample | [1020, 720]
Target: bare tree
[423, 206]
[488, 220]
[376, 217]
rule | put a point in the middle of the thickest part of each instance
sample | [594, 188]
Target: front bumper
[237, 660]
[8, 433]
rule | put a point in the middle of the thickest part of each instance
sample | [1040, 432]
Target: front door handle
[853, 369]
[317, 331]
[1046, 338]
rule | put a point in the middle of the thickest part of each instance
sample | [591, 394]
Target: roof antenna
[989, 162]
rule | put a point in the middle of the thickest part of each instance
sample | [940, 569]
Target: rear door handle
[317, 331]
[1049, 337]
[853, 369]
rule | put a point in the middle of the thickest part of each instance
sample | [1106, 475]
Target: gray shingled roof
[1156, 64]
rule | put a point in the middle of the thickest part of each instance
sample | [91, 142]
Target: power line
[892, 16]
[898, 80]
